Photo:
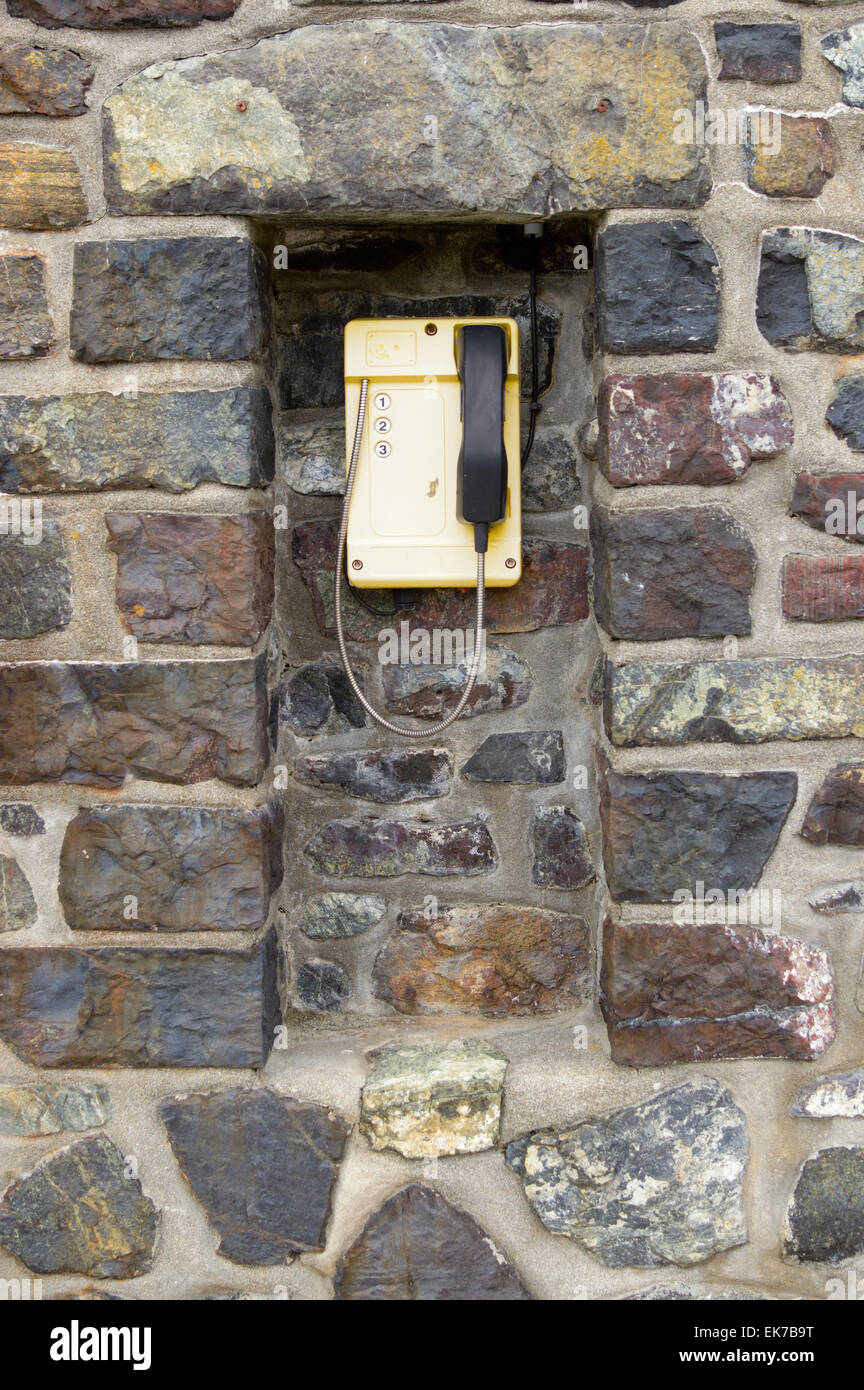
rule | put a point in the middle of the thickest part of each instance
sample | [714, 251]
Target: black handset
[481, 361]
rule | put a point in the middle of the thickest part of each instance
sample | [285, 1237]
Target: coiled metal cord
[430, 731]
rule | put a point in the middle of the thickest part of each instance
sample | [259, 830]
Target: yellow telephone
[432, 496]
[404, 530]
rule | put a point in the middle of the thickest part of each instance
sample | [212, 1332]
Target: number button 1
[382, 401]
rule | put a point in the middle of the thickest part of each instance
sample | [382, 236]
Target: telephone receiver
[481, 486]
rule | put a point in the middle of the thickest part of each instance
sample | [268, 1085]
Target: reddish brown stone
[822, 589]
[831, 502]
[686, 572]
[835, 816]
[553, 589]
[43, 81]
[386, 849]
[502, 959]
[117, 14]
[42, 188]
[802, 164]
[562, 858]
[689, 427]
[197, 579]
[92, 723]
[691, 993]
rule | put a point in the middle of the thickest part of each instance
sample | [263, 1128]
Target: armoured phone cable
[430, 731]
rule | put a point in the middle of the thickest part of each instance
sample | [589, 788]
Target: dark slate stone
[758, 52]
[17, 904]
[652, 1184]
[202, 580]
[562, 858]
[525, 757]
[174, 298]
[263, 1166]
[120, 1006]
[166, 439]
[316, 250]
[783, 310]
[35, 583]
[665, 831]
[79, 1212]
[120, 14]
[553, 589]
[657, 288]
[185, 868]
[312, 453]
[825, 1221]
[318, 699]
[386, 849]
[94, 723]
[17, 818]
[322, 985]
[311, 332]
[430, 692]
[809, 291]
[504, 248]
[686, 572]
[411, 774]
[26, 328]
[418, 1247]
[550, 478]
[831, 502]
[835, 816]
[43, 81]
[845, 413]
[691, 992]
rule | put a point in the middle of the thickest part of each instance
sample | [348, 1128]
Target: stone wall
[285, 998]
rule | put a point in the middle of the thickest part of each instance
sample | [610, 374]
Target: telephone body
[441, 445]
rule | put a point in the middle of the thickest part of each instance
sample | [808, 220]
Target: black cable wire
[404, 607]
[534, 406]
